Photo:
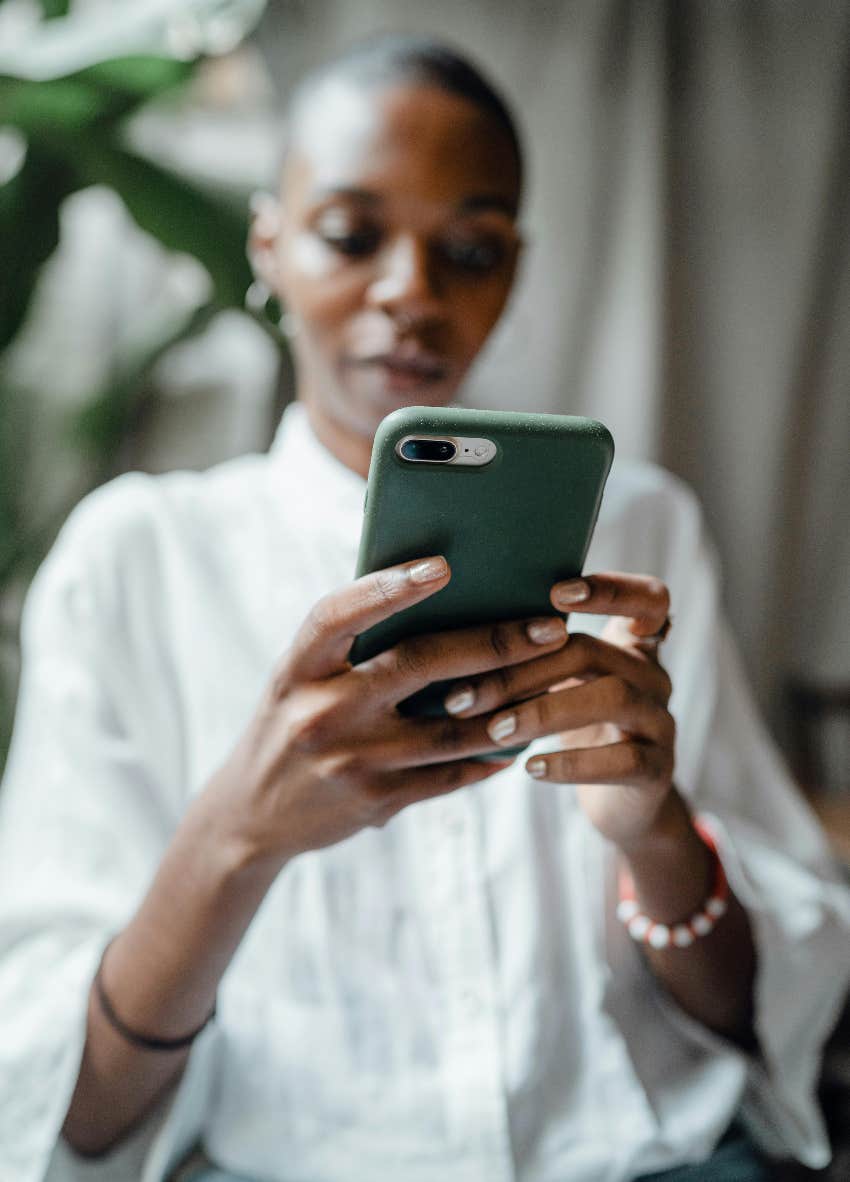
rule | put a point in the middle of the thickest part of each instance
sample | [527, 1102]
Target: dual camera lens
[436, 450]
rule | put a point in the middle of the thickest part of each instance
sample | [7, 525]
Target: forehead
[406, 140]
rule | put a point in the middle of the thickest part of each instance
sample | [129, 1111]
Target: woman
[266, 917]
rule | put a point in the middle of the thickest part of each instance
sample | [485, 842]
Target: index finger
[584, 657]
[643, 598]
[410, 665]
[322, 642]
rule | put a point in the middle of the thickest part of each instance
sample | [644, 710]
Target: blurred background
[687, 279]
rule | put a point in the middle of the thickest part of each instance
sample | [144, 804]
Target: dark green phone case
[509, 529]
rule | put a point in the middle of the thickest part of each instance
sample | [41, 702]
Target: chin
[363, 408]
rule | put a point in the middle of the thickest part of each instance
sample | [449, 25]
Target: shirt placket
[464, 957]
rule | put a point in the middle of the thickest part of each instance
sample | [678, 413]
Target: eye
[356, 245]
[473, 254]
[346, 234]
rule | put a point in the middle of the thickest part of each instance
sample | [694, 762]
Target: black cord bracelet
[143, 1041]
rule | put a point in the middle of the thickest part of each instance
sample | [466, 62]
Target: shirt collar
[303, 464]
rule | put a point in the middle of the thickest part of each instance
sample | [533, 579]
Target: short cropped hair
[416, 59]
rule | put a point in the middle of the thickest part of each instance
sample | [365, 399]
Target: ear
[263, 239]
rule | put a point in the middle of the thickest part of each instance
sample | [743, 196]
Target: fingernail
[501, 729]
[573, 592]
[428, 571]
[459, 699]
[536, 768]
[546, 631]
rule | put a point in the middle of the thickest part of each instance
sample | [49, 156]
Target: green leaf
[140, 75]
[54, 8]
[104, 93]
[31, 198]
[16, 428]
[49, 107]
[181, 215]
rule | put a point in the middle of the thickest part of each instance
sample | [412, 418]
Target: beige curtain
[687, 277]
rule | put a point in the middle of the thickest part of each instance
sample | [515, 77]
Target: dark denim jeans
[734, 1160]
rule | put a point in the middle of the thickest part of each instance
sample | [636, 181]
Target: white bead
[659, 936]
[716, 907]
[639, 926]
[683, 937]
[626, 909]
[702, 924]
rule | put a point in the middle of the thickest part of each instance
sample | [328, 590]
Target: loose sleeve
[779, 867]
[90, 797]
[776, 859]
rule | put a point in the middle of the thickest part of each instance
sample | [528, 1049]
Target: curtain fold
[687, 277]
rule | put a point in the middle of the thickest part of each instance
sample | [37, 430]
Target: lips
[414, 365]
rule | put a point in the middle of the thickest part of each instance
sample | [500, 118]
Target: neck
[354, 451]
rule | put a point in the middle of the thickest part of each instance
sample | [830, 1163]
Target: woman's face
[393, 249]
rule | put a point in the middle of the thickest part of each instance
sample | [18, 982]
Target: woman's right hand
[328, 754]
[325, 755]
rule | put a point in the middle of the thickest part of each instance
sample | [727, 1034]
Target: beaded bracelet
[143, 1041]
[679, 935]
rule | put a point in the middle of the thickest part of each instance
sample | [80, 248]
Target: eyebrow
[480, 202]
[487, 201]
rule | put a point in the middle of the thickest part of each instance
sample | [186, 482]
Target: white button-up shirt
[447, 997]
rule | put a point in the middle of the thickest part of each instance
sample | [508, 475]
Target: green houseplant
[67, 93]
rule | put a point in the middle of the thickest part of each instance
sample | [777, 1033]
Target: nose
[405, 284]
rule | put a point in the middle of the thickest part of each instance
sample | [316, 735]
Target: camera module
[435, 451]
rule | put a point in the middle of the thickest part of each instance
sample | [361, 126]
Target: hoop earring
[288, 325]
[261, 301]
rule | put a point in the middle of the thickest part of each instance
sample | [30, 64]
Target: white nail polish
[458, 700]
[545, 631]
[428, 571]
[536, 768]
[504, 727]
[574, 592]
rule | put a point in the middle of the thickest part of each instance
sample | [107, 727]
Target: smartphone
[510, 499]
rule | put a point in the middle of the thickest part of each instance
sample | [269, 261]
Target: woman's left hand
[606, 698]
